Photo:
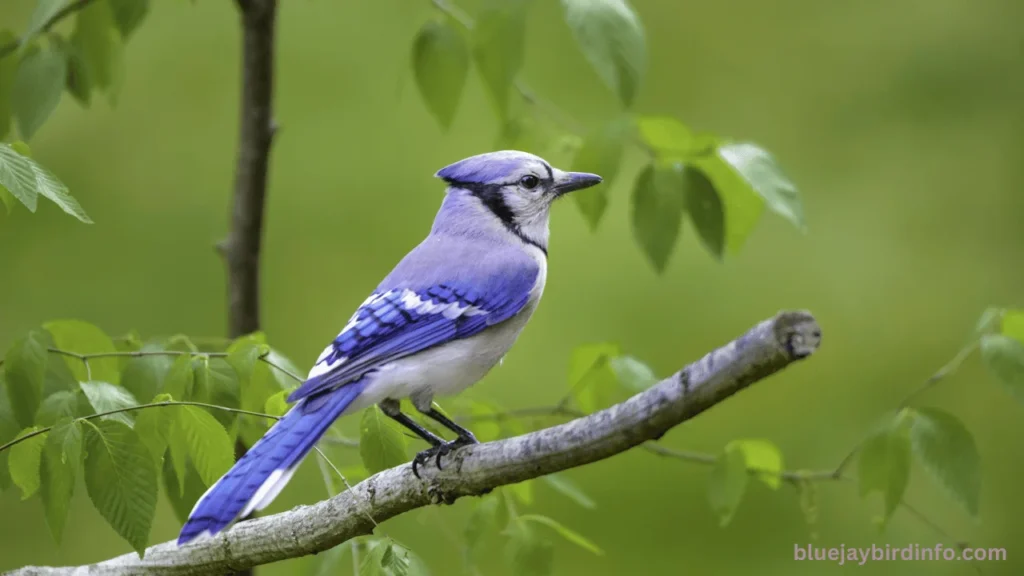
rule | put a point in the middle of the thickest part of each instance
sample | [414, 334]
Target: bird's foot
[436, 452]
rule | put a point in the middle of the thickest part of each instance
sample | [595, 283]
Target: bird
[447, 313]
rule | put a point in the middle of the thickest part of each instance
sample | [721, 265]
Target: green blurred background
[900, 122]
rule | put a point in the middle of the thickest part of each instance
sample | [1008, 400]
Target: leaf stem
[21, 439]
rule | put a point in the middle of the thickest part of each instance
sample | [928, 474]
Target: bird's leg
[423, 403]
[391, 409]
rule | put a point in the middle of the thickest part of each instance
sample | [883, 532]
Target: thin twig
[21, 439]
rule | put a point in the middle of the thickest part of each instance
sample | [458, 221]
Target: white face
[529, 195]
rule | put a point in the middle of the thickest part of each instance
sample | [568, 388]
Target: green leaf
[658, 202]
[526, 552]
[601, 153]
[740, 203]
[667, 137]
[84, 338]
[8, 431]
[128, 14]
[440, 63]
[121, 480]
[989, 319]
[633, 374]
[592, 381]
[277, 404]
[705, 209]
[570, 489]
[759, 170]
[24, 369]
[207, 443]
[8, 72]
[201, 378]
[62, 453]
[41, 15]
[224, 390]
[180, 379]
[1013, 324]
[144, 376]
[284, 380]
[498, 46]
[612, 39]
[1004, 358]
[947, 451]
[26, 179]
[182, 497]
[381, 445]
[57, 406]
[483, 519]
[569, 535]
[104, 397]
[98, 41]
[884, 464]
[762, 458]
[37, 88]
[153, 425]
[254, 379]
[727, 483]
[23, 462]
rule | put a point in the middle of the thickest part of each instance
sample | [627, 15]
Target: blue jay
[446, 314]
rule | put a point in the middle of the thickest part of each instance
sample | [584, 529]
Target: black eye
[529, 181]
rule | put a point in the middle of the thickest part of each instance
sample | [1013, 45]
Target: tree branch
[474, 470]
[241, 249]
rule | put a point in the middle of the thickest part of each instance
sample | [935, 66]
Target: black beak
[572, 181]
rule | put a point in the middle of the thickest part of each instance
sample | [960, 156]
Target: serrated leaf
[440, 63]
[98, 41]
[591, 380]
[633, 374]
[667, 137]
[41, 15]
[144, 376]
[727, 483]
[224, 390]
[570, 489]
[381, 445]
[37, 88]
[1013, 325]
[104, 397]
[57, 406]
[762, 458]
[206, 442]
[84, 338]
[23, 462]
[947, 451]
[569, 535]
[26, 179]
[153, 425]
[705, 209]
[121, 480]
[657, 211]
[183, 497]
[276, 405]
[527, 553]
[8, 430]
[600, 153]
[24, 369]
[884, 464]
[1004, 358]
[498, 46]
[128, 14]
[254, 378]
[8, 71]
[760, 171]
[612, 39]
[62, 454]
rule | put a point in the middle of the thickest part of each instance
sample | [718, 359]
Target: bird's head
[517, 187]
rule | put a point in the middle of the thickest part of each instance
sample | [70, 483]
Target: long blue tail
[259, 476]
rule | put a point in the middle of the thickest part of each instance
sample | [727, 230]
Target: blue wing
[403, 321]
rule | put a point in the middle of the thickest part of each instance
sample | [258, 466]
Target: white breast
[451, 368]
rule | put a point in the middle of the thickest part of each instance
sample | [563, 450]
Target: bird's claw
[436, 452]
